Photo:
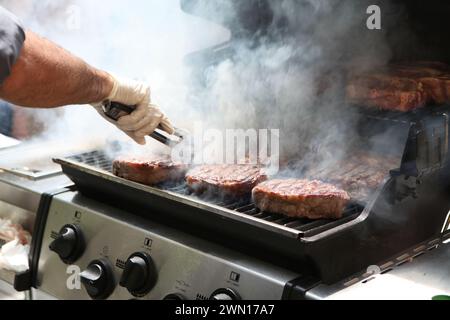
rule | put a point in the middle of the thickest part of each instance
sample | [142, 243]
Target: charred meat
[401, 87]
[359, 175]
[232, 180]
[149, 171]
[301, 198]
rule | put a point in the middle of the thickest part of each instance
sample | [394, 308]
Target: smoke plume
[281, 65]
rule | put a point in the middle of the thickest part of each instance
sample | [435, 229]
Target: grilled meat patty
[387, 93]
[233, 180]
[359, 175]
[401, 87]
[149, 171]
[301, 198]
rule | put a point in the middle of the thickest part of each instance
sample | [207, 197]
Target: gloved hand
[145, 119]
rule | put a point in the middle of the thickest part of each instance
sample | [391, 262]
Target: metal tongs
[116, 110]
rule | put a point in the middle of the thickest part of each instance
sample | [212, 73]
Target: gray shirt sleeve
[12, 37]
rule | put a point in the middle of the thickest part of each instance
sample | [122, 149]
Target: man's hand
[145, 119]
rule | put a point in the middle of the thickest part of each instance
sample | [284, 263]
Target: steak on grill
[311, 199]
[149, 171]
[230, 180]
[359, 175]
[401, 87]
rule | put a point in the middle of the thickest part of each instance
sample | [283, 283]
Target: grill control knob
[69, 244]
[98, 279]
[225, 294]
[139, 275]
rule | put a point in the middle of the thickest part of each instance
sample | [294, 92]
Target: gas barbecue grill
[202, 248]
[401, 215]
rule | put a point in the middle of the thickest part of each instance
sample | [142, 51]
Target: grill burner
[302, 227]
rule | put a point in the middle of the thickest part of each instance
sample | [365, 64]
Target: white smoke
[145, 40]
[290, 77]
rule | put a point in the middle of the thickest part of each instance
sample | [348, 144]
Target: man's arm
[45, 76]
[35, 72]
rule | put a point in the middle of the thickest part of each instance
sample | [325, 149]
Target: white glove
[145, 119]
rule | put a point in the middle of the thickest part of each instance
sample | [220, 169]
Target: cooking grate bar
[285, 221]
[234, 206]
[246, 208]
[312, 225]
[261, 215]
[330, 225]
[296, 224]
[272, 218]
[252, 212]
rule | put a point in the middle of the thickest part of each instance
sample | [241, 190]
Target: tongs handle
[116, 110]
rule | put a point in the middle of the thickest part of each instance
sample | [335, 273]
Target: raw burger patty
[149, 171]
[227, 179]
[301, 199]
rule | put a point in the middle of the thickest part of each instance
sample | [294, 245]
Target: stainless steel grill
[301, 227]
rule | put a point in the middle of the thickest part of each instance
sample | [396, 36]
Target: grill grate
[306, 227]
[97, 159]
